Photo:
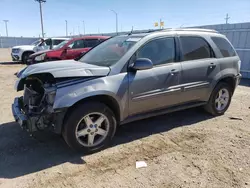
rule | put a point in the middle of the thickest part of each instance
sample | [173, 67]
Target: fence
[8, 42]
[238, 34]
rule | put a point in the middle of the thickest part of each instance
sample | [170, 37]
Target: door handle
[212, 65]
[173, 71]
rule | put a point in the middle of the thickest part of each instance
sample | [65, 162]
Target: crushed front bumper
[20, 117]
[54, 121]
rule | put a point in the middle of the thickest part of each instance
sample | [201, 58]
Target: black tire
[210, 107]
[74, 118]
[25, 57]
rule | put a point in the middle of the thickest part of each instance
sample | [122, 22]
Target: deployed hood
[39, 53]
[69, 68]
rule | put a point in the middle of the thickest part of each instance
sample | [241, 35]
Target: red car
[69, 49]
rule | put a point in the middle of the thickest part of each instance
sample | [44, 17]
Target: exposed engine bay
[37, 103]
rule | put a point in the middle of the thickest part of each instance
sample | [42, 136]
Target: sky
[24, 15]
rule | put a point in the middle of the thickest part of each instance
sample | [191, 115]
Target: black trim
[156, 93]
[75, 81]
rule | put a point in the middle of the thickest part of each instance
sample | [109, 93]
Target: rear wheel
[220, 99]
[90, 127]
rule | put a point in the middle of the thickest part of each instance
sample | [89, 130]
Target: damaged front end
[34, 110]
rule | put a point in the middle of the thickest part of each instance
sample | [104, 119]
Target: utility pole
[6, 27]
[79, 30]
[116, 20]
[66, 27]
[41, 14]
[227, 18]
[83, 27]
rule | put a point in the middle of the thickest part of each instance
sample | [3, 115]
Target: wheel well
[27, 52]
[229, 80]
[107, 100]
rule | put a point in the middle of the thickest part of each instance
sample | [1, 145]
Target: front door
[199, 67]
[75, 49]
[155, 88]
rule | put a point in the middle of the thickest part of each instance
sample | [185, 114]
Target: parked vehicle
[69, 49]
[127, 78]
[21, 53]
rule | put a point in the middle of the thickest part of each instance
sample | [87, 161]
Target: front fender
[111, 86]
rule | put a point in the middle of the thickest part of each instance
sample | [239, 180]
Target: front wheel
[90, 127]
[220, 99]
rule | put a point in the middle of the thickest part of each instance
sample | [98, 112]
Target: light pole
[116, 20]
[83, 27]
[41, 14]
[66, 27]
[6, 27]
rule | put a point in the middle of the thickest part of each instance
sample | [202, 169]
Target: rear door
[158, 87]
[199, 67]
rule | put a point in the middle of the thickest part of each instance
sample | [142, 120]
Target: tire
[212, 106]
[25, 57]
[72, 125]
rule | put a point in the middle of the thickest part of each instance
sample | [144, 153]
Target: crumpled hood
[68, 68]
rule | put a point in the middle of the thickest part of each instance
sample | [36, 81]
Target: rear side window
[195, 48]
[224, 46]
[90, 43]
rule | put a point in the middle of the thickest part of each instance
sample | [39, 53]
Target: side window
[159, 51]
[90, 43]
[48, 42]
[56, 42]
[224, 46]
[195, 48]
[77, 44]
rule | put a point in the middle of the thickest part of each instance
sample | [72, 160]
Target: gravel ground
[182, 149]
[5, 55]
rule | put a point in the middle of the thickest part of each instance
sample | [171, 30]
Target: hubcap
[92, 129]
[222, 99]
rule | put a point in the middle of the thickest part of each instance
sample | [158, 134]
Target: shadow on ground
[21, 154]
[10, 63]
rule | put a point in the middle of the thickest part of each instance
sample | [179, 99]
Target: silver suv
[127, 78]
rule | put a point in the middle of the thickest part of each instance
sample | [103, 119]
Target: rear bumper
[237, 79]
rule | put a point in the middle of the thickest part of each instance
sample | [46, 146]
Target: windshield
[110, 51]
[60, 45]
[36, 42]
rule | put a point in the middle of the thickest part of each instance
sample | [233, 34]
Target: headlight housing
[15, 50]
[40, 57]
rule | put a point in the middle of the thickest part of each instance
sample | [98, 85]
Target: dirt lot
[183, 149]
[5, 55]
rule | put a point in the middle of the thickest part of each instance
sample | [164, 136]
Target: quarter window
[195, 48]
[159, 51]
[224, 46]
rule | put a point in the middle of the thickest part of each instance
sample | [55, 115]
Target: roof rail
[192, 29]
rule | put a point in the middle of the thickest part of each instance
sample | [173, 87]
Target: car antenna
[131, 31]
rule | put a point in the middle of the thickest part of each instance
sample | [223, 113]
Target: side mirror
[142, 64]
